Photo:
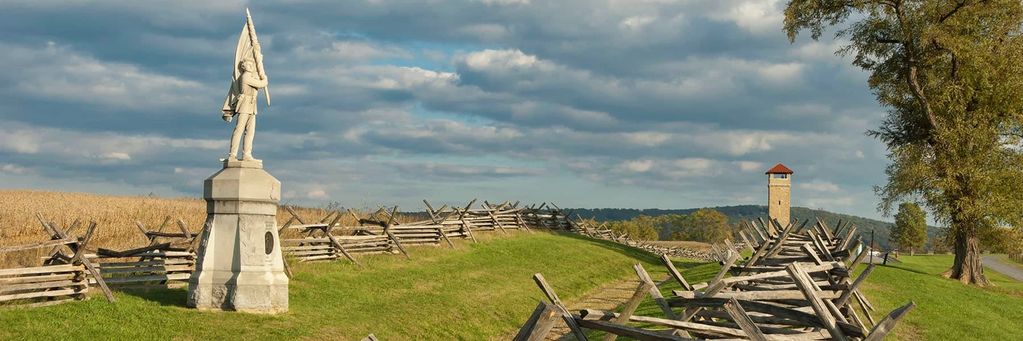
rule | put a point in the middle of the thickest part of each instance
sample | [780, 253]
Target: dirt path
[1002, 267]
[607, 297]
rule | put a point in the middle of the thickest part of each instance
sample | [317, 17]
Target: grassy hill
[946, 309]
[746, 212]
[477, 291]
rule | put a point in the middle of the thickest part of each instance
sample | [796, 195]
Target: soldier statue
[242, 103]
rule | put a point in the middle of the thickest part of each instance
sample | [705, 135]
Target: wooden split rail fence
[71, 267]
[797, 285]
[380, 232]
[167, 260]
[601, 231]
[63, 276]
[169, 256]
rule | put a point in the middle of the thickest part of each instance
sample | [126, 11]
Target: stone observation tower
[779, 192]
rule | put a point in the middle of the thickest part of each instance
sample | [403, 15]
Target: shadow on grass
[903, 267]
[168, 297]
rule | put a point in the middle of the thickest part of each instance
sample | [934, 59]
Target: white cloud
[500, 59]
[52, 142]
[638, 166]
[317, 194]
[781, 74]
[116, 156]
[647, 138]
[819, 186]
[57, 72]
[486, 32]
[688, 167]
[750, 166]
[755, 16]
[12, 169]
[636, 22]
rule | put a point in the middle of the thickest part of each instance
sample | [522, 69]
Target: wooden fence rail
[379, 232]
[167, 261]
[168, 257]
[63, 275]
[797, 285]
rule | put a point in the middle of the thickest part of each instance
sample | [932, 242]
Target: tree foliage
[950, 76]
[910, 230]
[705, 225]
[642, 227]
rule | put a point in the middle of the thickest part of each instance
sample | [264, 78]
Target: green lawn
[946, 309]
[485, 291]
[476, 291]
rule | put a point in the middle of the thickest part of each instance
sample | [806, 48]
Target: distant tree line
[734, 214]
[703, 225]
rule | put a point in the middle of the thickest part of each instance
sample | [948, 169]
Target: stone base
[228, 163]
[222, 292]
[239, 264]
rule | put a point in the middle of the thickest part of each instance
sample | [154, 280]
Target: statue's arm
[253, 81]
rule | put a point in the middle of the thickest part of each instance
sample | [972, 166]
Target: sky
[586, 103]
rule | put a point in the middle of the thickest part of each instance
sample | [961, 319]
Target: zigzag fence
[63, 276]
[71, 266]
[796, 285]
[379, 232]
[168, 257]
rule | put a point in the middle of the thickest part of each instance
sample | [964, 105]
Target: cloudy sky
[588, 103]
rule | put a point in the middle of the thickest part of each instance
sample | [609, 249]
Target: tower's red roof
[779, 169]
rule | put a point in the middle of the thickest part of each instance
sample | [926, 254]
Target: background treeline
[705, 225]
[671, 223]
[712, 225]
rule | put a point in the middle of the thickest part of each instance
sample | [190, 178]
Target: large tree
[705, 225]
[950, 74]
[910, 231]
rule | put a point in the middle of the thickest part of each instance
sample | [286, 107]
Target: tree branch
[959, 6]
[912, 76]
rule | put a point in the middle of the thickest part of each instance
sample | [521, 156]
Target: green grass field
[946, 309]
[485, 291]
[477, 291]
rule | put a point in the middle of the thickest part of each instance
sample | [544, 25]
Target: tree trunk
[967, 267]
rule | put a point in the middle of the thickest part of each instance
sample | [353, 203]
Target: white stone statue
[245, 108]
[249, 76]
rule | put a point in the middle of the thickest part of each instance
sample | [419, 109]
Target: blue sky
[588, 103]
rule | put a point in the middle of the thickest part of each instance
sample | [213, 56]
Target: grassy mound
[476, 291]
[946, 310]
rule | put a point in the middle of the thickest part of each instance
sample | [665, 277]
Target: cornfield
[115, 217]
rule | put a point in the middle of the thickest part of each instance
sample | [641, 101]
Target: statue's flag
[246, 40]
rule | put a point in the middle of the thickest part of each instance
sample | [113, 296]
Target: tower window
[780, 176]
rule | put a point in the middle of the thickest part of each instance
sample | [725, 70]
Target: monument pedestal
[239, 265]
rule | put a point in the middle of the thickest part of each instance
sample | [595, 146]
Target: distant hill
[738, 213]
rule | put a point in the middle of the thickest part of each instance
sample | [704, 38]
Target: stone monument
[239, 264]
